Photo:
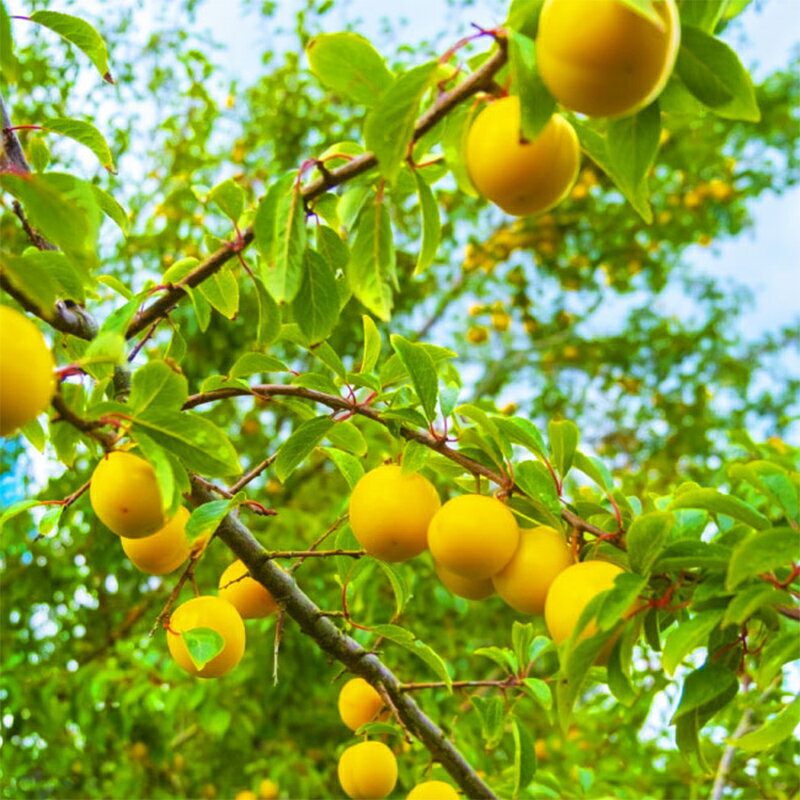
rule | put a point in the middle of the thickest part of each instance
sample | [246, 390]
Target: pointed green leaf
[111, 208]
[221, 290]
[372, 345]
[632, 143]
[564, 436]
[350, 467]
[646, 537]
[421, 370]
[719, 503]
[687, 637]
[762, 552]
[156, 385]
[280, 235]
[81, 34]
[389, 127]
[316, 305]
[524, 756]
[203, 645]
[371, 269]
[300, 445]
[535, 480]
[537, 105]
[772, 732]
[705, 685]
[229, 197]
[205, 519]
[348, 63]
[269, 316]
[431, 225]
[256, 363]
[714, 75]
[86, 134]
[406, 639]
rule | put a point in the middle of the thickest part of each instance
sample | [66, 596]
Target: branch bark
[343, 648]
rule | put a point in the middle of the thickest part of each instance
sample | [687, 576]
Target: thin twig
[252, 474]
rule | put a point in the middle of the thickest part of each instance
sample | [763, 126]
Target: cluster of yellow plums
[369, 769]
[598, 58]
[125, 496]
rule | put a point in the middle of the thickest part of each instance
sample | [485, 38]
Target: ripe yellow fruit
[468, 588]
[602, 58]
[367, 771]
[518, 176]
[125, 495]
[247, 595]
[359, 703]
[207, 612]
[433, 790]
[473, 536]
[571, 592]
[390, 512]
[246, 794]
[268, 790]
[477, 334]
[27, 378]
[542, 554]
[161, 552]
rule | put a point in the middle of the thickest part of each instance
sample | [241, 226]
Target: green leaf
[9, 66]
[280, 236]
[196, 441]
[713, 73]
[400, 587]
[332, 248]
[431, 225]
[501, 656]
[350, 467]
[62, 208]
[704, 16]
[221, 290]
[269, 316]
[537, 105]
[487, 426]
[406, 639]
[773, 481]
[156, 385]
[536, 481]
[104, 352]
[646, 537]
[85, 134]
[687, 637]
[111, 208]
[646, 9]
[31, 276]
[522, 636]
[564, 436]
[256, 363]
[718, 503]
[762, 552]
[456, 130]
[389, 126]
[330, 358]
[16, 508]
[492, 716]
[632, 143]
[228, 196]
[772, 732]
[523, 432]
[316, 306]
[165, 474]
[692, 554]
[703, 686]
[539, 691]
[372, 344]
[203, 645]
[300, 445]
[372, 260]
[415, 456]
[618, 681]
[747, 601]
[81, 34]
[523, 16]
[421, 370]
[524, 756]
[205, 519]
[595, 146]
[348, 63]
[38, 153]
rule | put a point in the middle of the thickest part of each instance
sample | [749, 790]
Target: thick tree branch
[343, 648]
[479, 80]
[423, 437]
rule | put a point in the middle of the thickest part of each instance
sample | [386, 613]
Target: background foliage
[570, 315]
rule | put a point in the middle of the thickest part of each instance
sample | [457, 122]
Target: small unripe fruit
[521, 177]
[468, 588]
[125, 496]
[359, 703]
[247, 595]
[541, 556]
[207, 612]
[390, 512]
[163, 551]
[27, 377]
[604, 59]
[473, 536]
[433, 790]
[368, 771]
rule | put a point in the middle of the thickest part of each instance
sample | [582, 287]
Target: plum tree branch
[423, 437]
[479, 80]
[343, 648]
